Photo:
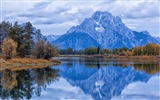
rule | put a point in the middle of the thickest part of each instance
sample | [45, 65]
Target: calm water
[83, 79]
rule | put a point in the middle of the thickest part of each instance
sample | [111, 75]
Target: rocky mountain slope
[108, 30]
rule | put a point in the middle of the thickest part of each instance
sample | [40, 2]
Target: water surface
[83, 79]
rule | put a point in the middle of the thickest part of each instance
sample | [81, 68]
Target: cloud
[73, 12]
[55, 29]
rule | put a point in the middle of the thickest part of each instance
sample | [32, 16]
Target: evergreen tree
[38, 35]
[16, 33]
[28, 38]
[98, 50]
[4, 29]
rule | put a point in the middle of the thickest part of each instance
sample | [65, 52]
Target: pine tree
[98, 50]
[28, 38]
[16, 33]
[38, 35]
[4, 29]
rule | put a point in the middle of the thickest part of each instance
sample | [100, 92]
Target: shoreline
[26, 63]
[112, 57]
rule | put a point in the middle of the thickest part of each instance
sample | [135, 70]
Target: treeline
[148, 49]
[24, 41]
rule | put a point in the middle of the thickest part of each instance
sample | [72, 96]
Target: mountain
[76, 41]
[52, 37]
[109, 31]
[158, 39]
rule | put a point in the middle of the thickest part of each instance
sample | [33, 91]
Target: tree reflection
[44, 77]
[151, 68]
[8, 79]
[23, 84]
[148, 67]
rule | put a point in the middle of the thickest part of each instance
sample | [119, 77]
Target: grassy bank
[26, 63]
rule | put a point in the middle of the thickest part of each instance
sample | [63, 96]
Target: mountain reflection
[23, 84]
[104, 81]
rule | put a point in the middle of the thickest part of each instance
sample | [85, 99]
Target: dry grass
[55, 61]
[27, 60]
[26, 63]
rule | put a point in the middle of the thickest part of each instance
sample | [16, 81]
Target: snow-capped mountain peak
[110, 32]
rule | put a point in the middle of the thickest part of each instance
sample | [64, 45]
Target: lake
[84, 79]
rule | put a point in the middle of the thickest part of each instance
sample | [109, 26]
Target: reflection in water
[150, 68]
[95, 78]
[24, 83]
[104, 81]
[8, 79]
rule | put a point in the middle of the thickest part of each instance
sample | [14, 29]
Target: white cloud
[73, 12]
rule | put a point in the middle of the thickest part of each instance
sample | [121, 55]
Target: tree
[28, 38]
[128, 53]
[151, 49]
[44, 50]
[69, 50]
[98, 50]
[16, 33]
[105, 51]
[39, 50]
[50, 51]
[4, 29]
[90, 51]
[9, 48]
[38, 35]
[137, 50]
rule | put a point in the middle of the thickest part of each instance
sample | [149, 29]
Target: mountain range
[104, 30]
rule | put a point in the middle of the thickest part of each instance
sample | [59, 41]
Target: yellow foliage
[128, 53]
[9, 48]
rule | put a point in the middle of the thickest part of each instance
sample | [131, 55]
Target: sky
[56, 17]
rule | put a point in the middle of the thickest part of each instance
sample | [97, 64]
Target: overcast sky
[57, 16]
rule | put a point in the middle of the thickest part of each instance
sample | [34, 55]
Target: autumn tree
[137, 50]
[128, 53]
[50, 51]
[9, 48]
[151, 49]
[44, 50]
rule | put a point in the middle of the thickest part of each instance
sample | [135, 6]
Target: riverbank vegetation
[23, 45]
[147, 50]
